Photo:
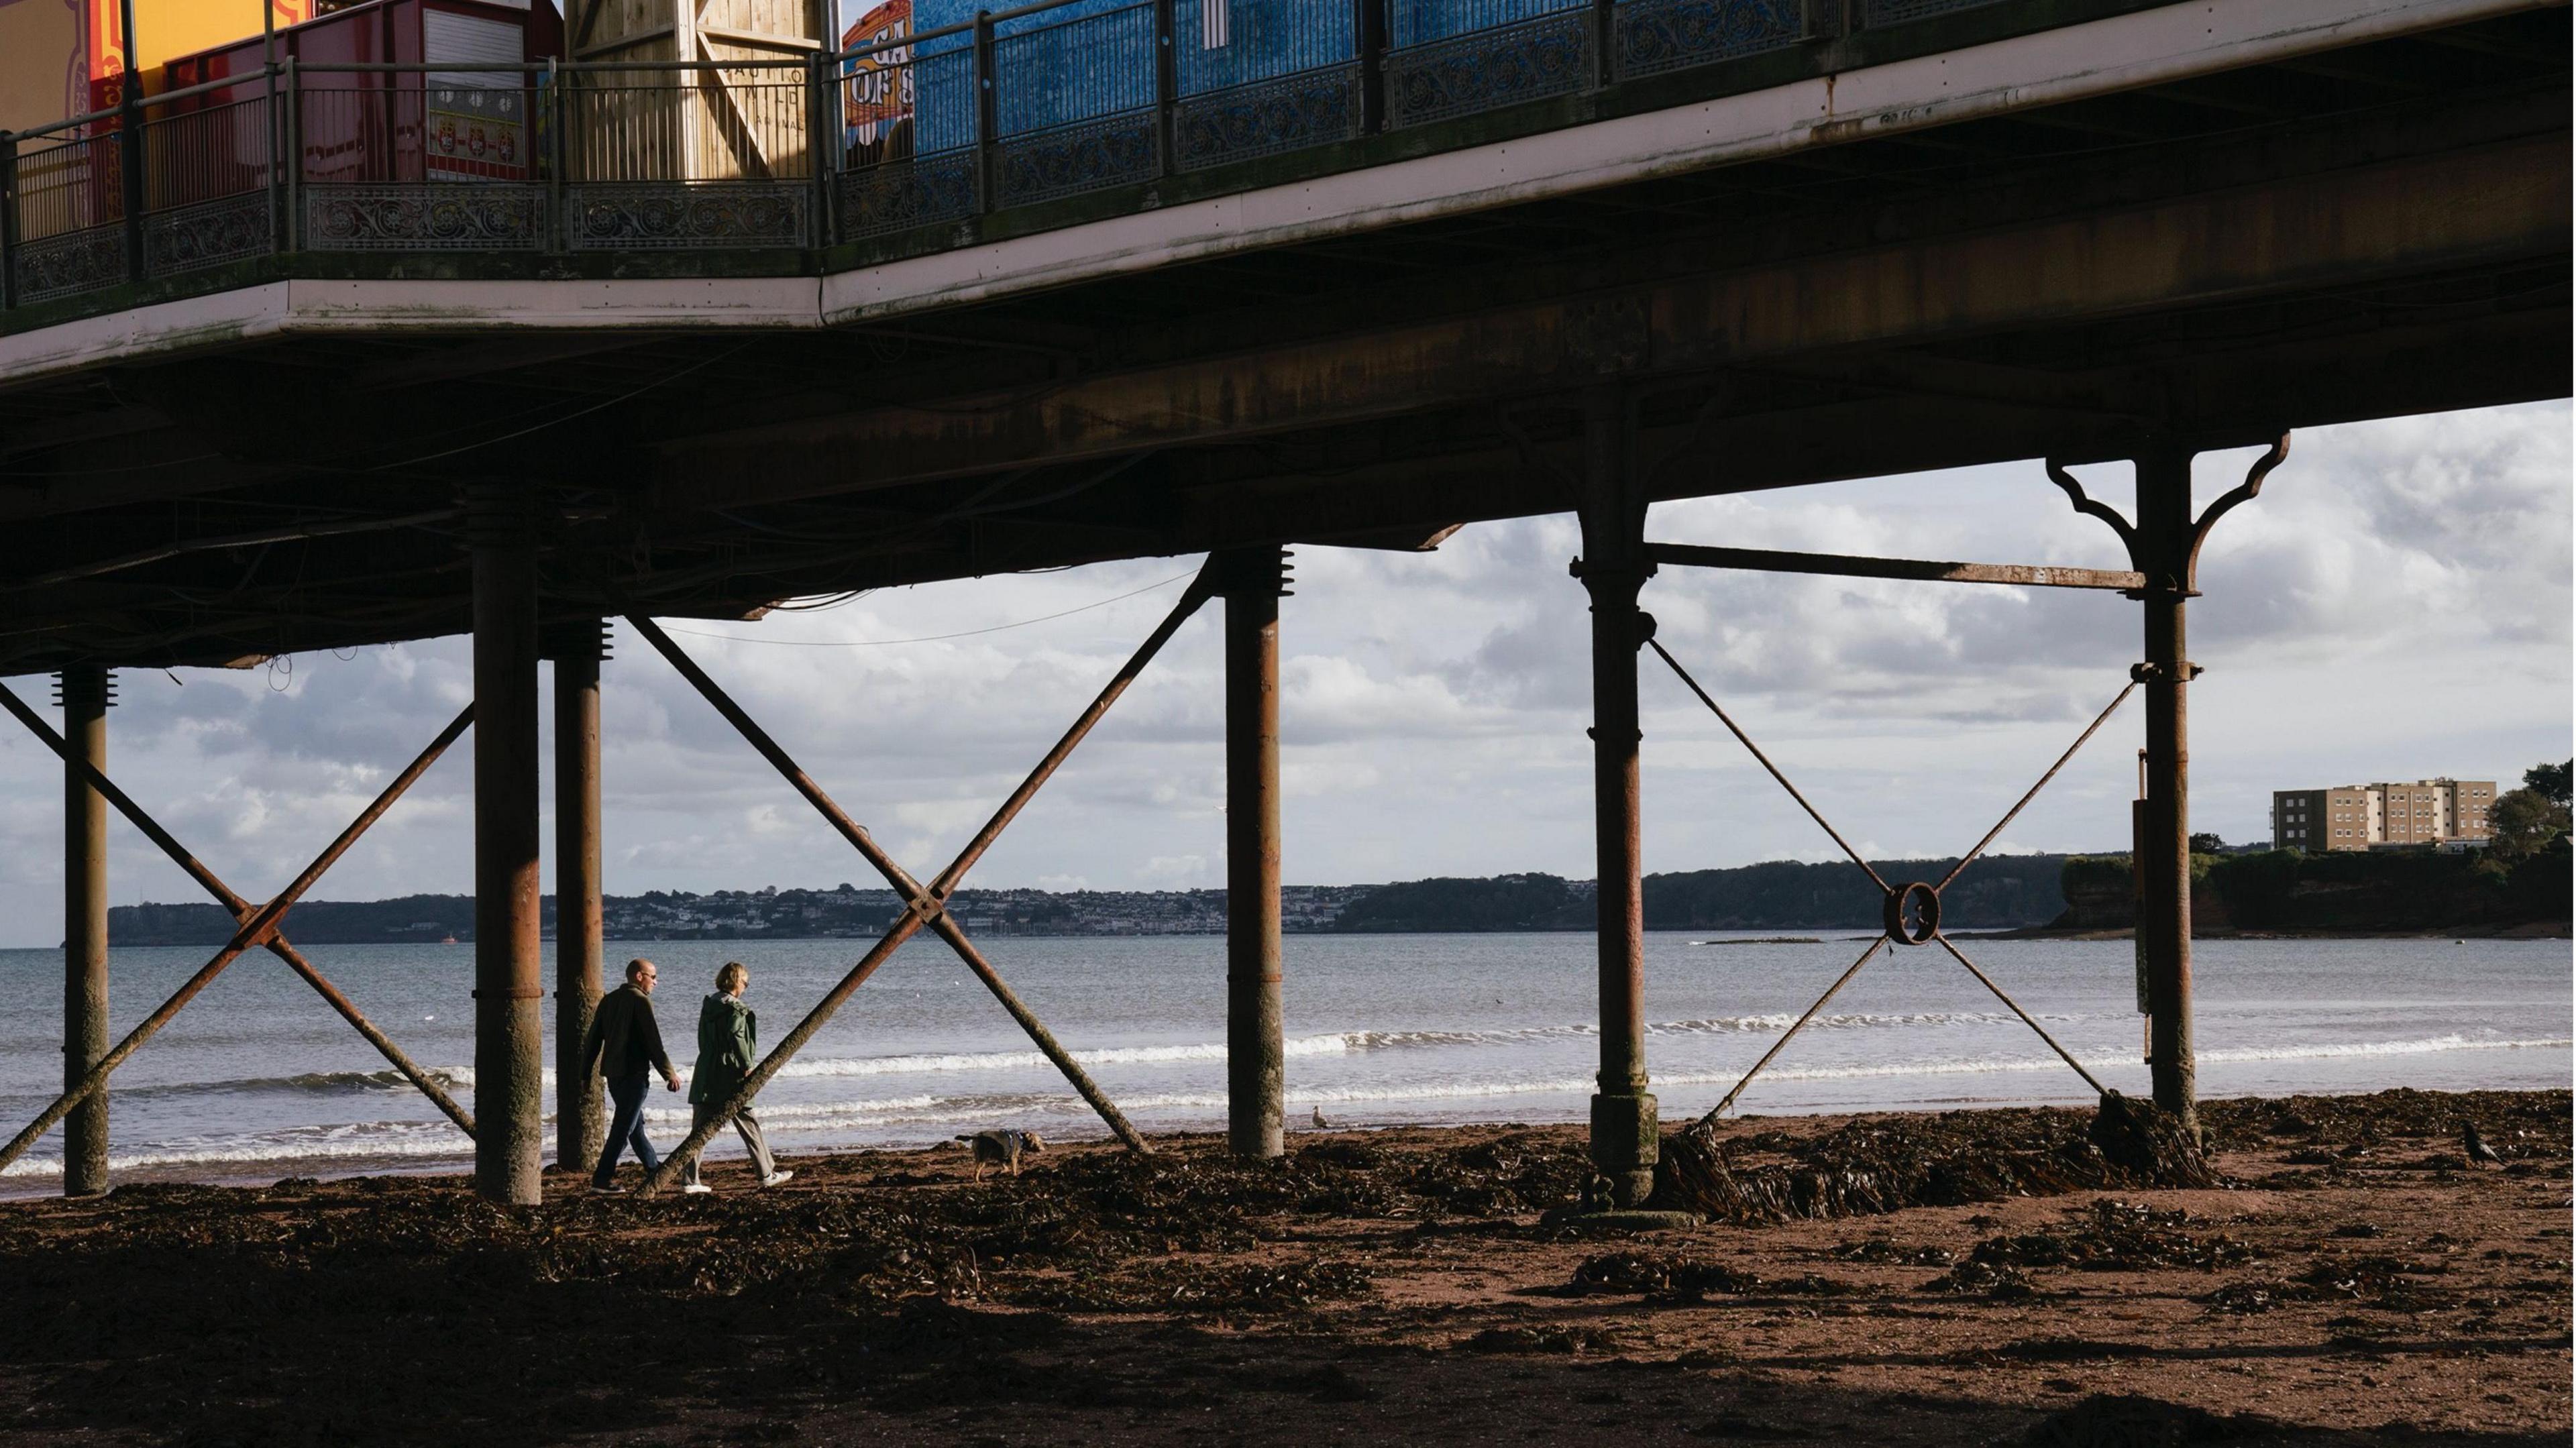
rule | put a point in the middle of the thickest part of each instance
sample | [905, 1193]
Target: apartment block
[2345, 817]
[2360, 816]
[2472, 800]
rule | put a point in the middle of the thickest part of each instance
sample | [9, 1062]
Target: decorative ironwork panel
[425, 216]
[1289, 113]
[691, 215]
[1897, 12]
[1489, 69]
[71, 263]
[208, 233]
[900, 195]
[1068, 160]
[1660, 35]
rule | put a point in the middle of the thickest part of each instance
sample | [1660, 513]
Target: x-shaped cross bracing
[925, 905]
[255, 927]
[2163, 563]
[1912, 912]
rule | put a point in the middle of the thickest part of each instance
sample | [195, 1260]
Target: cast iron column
[578, 948]
[1252, 580]
[2164, 926]
[509, 1024]
[86, 690]
[1614, 568]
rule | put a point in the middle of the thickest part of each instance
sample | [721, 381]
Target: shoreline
[2349, 1281]
[2529, 930]
[1782, 934]
[1086, 1134]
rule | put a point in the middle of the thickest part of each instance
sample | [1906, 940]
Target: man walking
[728, 1044]
[625, 1043]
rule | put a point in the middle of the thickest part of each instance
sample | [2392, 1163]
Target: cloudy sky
[2396, 605]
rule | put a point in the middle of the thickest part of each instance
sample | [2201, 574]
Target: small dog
[1002, 1148]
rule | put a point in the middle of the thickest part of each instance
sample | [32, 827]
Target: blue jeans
[626, 1127]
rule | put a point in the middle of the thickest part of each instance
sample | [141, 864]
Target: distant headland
[2272, 891]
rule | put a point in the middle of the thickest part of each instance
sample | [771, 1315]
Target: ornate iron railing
[922, 126]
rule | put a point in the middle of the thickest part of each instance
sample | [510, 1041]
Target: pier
[732, 335]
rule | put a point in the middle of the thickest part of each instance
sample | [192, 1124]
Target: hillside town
[846, 911]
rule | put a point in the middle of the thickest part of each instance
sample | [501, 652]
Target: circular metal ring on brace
[1926, 903]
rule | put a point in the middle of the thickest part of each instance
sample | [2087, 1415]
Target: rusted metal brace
[257, 929]
[1913, 911]
[2098, 1088]
[923, 905]
[1765, 761]
[241, 910]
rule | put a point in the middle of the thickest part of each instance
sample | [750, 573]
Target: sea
[257, 1079]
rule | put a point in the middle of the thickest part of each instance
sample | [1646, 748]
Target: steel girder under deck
[2339, 234]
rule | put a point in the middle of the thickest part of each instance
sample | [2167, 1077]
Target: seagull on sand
[1320, 1123]
[2476, 1146]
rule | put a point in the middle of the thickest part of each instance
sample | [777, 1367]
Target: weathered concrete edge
[2096, 57]
[326, 305]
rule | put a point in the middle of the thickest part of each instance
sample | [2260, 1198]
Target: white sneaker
[696, 1189]
[776, 1178]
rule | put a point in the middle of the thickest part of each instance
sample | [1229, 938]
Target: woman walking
[728, 1044]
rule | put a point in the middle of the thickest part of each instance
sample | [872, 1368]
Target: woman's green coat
[728, 1044]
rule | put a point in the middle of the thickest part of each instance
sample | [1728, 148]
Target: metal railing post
[1368, 38]
[1605, 43]
[293, 130]
[8, 219]
[987, 114]
[1167, 85]
[558, 150]
[129, 139]
[276, 186]
[819, 93]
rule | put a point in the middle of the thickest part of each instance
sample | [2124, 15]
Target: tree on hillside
[2526, 821]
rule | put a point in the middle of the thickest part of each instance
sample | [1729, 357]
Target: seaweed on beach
[2522, 1126]
[1874, 1165]
[2116, 1236]
[1644, 1273]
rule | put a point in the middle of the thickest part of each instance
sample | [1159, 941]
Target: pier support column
[1252, 581]
[86, 691]
[509, 1025]
[2165, 532]
[578, 947]
[1613, 569]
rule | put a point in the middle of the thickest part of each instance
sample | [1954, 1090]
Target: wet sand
[2352, 1282]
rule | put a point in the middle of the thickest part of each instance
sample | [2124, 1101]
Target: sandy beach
[2352, 1281]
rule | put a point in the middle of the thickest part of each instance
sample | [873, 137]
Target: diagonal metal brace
[923, 905]
[1913, 911]
[256, 930]
[1983, 979]
[1765, 761]
[241, 909]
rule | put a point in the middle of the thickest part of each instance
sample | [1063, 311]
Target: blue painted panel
[1256, 39]
[1412, 22]
[1091, 58]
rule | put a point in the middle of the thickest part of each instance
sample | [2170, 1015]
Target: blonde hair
[732, 978]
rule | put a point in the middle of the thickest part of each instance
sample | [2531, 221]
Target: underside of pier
[2365, 231]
